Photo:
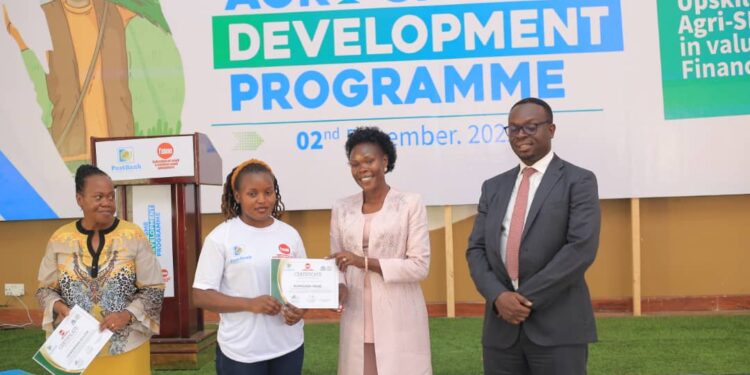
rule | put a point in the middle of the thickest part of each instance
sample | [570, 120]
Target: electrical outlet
[14, 290]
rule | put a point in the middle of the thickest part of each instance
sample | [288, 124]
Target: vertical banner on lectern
[152, 211]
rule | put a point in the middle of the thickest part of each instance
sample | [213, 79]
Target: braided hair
[85, 171]
[230, 208]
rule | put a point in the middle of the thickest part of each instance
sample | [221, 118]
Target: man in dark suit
[535, 234]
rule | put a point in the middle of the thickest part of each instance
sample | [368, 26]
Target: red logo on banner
[165, 150]
[308, 267]
[165, 275]
[284, 249]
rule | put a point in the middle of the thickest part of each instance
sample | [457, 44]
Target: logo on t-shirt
[238, 251]
[284, 251]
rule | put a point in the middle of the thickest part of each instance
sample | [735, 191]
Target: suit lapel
[502, 199]
[499, 206]
[550, 178]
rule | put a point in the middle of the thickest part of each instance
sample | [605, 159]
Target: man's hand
[513, 307]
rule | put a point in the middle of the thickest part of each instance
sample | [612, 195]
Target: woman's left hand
[291, 314]
[115, 321]
[347, 258]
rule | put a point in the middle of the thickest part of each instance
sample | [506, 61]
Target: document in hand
[305, 283]
[73, 345]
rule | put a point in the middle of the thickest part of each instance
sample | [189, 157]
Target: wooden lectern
[157, 181]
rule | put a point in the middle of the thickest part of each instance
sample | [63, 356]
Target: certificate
[73, 344]
[305, 283]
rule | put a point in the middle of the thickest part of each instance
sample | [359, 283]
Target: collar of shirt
[540, 165]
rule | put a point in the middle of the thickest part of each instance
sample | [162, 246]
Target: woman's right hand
[347, 258]
[265, 304]
[61, 309]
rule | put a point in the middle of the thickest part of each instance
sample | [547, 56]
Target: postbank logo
[125, 154]
[239, 255]
[285, 249]
[125, 160]
[237, 250]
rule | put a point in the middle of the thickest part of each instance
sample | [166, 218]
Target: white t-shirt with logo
[236, 261]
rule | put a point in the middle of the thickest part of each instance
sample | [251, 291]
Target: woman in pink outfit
[381, 244]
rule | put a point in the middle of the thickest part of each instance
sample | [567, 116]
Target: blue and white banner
[637, 98]
[152, 211]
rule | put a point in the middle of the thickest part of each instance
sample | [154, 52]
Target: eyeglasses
[529, 129]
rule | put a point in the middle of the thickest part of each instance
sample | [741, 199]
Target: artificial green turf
[648, 345]
[672, 345]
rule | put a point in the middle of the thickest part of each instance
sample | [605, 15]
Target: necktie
[516, 224]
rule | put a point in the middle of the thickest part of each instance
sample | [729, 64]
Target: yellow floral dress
[122, 273]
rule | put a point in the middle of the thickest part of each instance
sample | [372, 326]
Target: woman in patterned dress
[105, 266]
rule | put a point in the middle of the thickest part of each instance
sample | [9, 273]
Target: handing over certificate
[73, 344]
[305, 283]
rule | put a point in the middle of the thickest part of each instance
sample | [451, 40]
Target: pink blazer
[399, 238]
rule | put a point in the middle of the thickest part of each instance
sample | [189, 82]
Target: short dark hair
[85, 171]
[372, 134]
[538, 102]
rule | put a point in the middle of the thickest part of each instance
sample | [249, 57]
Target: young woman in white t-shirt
[257, 334]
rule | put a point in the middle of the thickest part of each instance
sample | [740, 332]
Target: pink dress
[369, 332]
[399, 238]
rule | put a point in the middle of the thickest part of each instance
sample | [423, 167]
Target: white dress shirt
[534, 181]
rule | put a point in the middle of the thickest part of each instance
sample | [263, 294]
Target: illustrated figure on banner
[114, 71]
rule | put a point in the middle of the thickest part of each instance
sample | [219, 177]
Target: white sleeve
[210, 268]
[300, 248]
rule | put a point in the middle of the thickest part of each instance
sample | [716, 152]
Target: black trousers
[527, 358]
[287, 364]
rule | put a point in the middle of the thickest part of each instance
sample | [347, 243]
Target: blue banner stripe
[18, 199]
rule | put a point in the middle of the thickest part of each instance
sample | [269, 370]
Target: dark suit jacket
[559, 243]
